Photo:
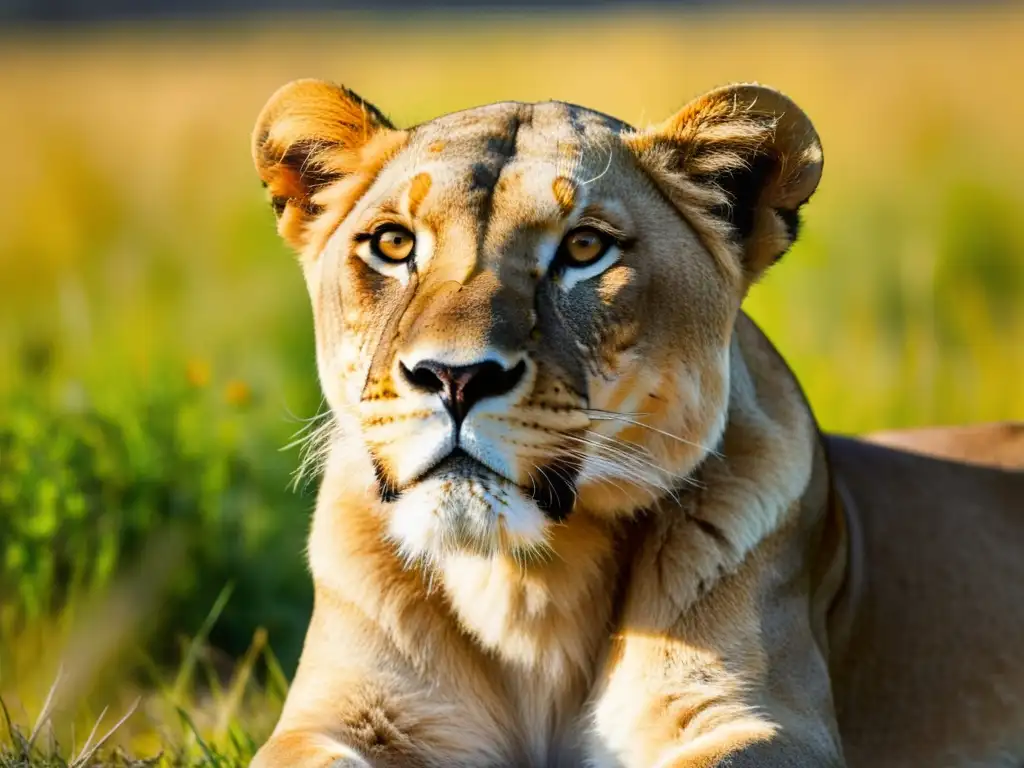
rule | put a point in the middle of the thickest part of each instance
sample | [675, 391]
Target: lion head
[523, 311]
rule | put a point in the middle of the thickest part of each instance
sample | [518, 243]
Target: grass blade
[210, 756]
[46, 711]
[188, 664]
[92, 734]
[84, 759]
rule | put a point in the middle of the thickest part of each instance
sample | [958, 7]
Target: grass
[155, 343]
[194, 714]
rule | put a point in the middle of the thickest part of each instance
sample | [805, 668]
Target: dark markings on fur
[311, 177]
[611, 123]
[711, 530]
[385, 488]
[554, 490]
[743, 187]
[379, 366]
[791, 219]
[378, 370]
[702, 676]
[261, 142]
[566, 362]
[623, 560]
[298, 157]
[500, 150]
[376, 729]
[483, 178]
[574, 119]
[376, 114]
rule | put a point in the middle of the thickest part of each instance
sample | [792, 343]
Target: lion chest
[542, 648]
[548, 717]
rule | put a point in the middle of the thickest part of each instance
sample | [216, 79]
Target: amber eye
[393, 244]
[585, 246]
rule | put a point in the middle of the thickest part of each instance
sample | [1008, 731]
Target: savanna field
[156, 353]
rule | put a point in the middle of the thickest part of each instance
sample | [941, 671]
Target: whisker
[598, 413]
[632, 457]
[320, 413]
[548, 479]
[314, 440]
[625, 420]
[626, 446]
[568, 481]
[611, 154]
[606, 476]
[627, 458]
[619, 463]
[642, 451]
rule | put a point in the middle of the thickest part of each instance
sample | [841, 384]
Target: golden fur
[1000, 444]
[634, 548]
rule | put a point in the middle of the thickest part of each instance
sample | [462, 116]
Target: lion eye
[393, 244]
[585, 246]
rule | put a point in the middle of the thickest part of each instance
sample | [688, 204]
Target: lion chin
[462, 506]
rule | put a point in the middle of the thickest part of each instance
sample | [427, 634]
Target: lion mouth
[460, 463]
[553, 489]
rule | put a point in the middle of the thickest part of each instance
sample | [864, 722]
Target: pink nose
[462, 387]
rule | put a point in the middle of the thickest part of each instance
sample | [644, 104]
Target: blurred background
[156, 355]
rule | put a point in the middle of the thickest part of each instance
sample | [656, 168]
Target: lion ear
[750, 156]
[310, 134]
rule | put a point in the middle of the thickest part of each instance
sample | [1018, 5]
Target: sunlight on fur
[573, 500]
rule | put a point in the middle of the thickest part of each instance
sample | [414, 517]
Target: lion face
[524, 311]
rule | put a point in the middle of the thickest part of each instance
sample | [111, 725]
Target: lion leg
[714, 750]
[695, 728]
[305, 749]
[357, 702]
[734, 679]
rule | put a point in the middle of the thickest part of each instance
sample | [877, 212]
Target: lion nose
[461, 387]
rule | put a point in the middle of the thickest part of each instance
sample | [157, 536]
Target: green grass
[156, 347]
[195, 713]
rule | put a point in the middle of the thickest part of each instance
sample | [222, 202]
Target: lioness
[575, 509]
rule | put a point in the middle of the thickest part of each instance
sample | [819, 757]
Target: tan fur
[1000, 444]
[645, 555]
